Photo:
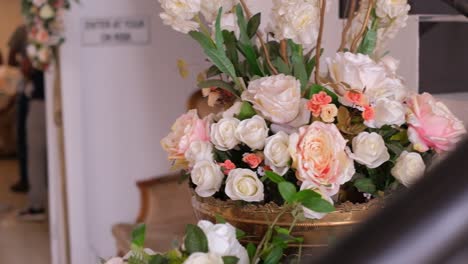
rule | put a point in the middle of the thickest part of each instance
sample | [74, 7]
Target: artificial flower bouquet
[45, 29]
[350, 134]
[208, 243]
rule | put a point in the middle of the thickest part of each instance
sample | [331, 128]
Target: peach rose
[187, 129]
[252, 159]
[227, 166]
[319, 156]
[42, 36]
[432, 125]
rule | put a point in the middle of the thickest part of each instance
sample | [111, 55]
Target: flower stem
[351, 13]
[323, 4]
[354, 45]
[260, 38]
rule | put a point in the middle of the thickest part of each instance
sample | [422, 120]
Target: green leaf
[138, 235]
[305, 195]
[212, 71]
[230, 260]
[251, 250]
[220, 219]
[274, 177]
[253, 25]
[240, 233]
[246, 112]
[195, 240]
[316, 88]
[218, 84]
[318, 205]
[158, 259]
[299, 68]
[274, 256]
[395, 147]
[203, 40]
[368, 43]
[245, 46]
[230, 42]
[219, 40]
[281, 66]
[287, 191]
[365, 185]
[281, 230]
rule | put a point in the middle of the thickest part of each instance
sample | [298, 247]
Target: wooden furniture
[166, 209]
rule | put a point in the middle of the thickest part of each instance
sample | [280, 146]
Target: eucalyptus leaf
[299, 67]
[287, 191]
[274, 256]
[230, 260]
[274, 177]
[365, 185]
[318, 205]
[195, 240]
[212, 71]
[245, 45]
[281, 66]
[253, 25]
[247, 111]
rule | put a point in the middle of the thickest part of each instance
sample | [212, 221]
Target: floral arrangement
[207, 243]
[45, 29]
[351, 133]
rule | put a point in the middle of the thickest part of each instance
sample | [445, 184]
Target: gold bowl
[255, 219]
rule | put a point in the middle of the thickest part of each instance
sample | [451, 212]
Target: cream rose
[303, 118]
[233, 111]
[276, 153]
[387, 112]
[46, 12]
[277, 98]
[253, 132]
[223, 242]
[223, 133]
[309, 213]
[369, 149]
[318, 153]
[198, 151]
[243, 184]
[409, 168]
[329, 112]
[204, 258]
[207, 176]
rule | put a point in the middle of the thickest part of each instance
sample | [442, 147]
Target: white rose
[204, 258]
[233, 111]
[46, 12]
[229, 23]
[208, 177]
[303, 118]
[276, 153]
[223, 133]
[198, 151]
[179, 24]
[409, 168]
[387, 112]
[390, 63]
[243, 184]
[307, 212]
[115, 261]
[276, 97]
[44, 54]
[210, 8]
[369, 149]
[222, 240]
[253, 132]
[298, 20]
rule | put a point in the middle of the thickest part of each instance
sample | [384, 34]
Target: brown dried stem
[318, 47]
[284, 51]
[364, 27]
[351, 14]
[260, 38]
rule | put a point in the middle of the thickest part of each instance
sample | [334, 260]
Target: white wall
[119, 101]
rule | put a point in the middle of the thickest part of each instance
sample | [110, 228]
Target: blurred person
[17, 45]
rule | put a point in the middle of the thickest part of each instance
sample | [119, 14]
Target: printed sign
[115, 31]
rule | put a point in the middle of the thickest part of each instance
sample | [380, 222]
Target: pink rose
[319, 156]
[432, 125]
[317, 102]
[227, 166]
[187, 129]
[42, 36]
